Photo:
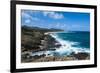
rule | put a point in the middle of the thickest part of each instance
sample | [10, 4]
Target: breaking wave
[67, 46]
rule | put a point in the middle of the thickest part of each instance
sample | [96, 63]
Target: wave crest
[67, 48]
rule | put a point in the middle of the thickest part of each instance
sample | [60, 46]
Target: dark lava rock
[81, 55]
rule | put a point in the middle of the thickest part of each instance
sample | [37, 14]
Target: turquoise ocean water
[74, 41]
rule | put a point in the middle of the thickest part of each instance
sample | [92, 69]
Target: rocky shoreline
[36, 41]
[44, 58]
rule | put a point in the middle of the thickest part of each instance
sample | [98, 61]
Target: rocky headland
[34, 40]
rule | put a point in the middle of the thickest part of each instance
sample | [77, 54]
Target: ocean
[74, 41]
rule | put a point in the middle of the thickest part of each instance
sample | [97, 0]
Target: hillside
[34, 40]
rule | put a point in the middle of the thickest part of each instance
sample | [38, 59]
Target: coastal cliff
[35, 42]
[34, 39]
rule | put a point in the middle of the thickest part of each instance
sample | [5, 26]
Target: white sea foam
[67, 47]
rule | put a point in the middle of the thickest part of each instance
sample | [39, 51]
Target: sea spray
[67, 48]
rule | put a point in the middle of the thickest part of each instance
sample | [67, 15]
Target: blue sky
[68, 21]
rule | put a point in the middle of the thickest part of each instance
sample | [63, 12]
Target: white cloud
[53, 15]
[29, 18]
[36, 19]
[27, 21]
[25, 15]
